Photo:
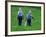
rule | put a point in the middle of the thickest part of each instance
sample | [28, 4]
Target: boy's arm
[32, 17]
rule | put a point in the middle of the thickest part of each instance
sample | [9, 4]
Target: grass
[36, 23]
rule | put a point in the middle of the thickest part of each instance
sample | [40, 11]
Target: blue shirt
[19, 13]
[28, 16]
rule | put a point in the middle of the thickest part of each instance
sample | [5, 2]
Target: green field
[36, 23]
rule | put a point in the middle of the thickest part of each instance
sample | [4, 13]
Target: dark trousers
[20, 20]
[29, 22]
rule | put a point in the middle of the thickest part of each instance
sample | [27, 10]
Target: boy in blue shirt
[20, 16]
[28, 18]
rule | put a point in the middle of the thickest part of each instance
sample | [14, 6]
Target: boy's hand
[33, 18]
